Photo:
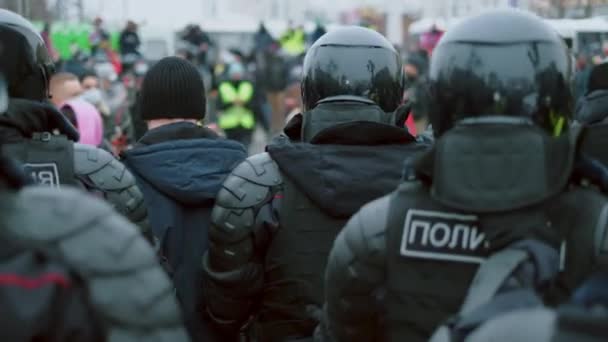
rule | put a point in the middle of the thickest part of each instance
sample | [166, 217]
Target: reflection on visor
[3, 95]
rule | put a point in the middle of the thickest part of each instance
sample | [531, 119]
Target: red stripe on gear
[31, 283]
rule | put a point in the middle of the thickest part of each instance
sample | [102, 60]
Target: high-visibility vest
[295, 43]
[236, 115]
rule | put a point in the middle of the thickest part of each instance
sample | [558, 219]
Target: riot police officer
[27, 126]
[72, 269]
[278, 212]
[495, 176]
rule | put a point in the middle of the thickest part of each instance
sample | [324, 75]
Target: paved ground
[258, 142]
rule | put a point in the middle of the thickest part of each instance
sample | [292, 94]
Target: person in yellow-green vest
[237, 114]
[293, 42]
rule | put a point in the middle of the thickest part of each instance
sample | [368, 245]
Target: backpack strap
[490, 276]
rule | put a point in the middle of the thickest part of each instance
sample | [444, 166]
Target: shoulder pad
[107, 252]
[101, 169]
[245, 191]
[112, 176]
[88, 159]
[129, 202]
[238, 192]
[250, 183]
[259, 169]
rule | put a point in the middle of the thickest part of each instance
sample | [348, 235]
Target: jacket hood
[189, 171]
[353, 170]
[593, 108]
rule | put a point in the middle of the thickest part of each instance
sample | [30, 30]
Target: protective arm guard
[127, 289]
[243, 223]
[100, 172]
[355, 272]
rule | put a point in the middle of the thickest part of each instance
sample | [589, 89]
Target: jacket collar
[176, 131]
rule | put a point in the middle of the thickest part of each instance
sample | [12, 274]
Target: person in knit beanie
[180, 166]
[172, 90]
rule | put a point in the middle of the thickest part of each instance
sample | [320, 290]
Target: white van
[582, 34]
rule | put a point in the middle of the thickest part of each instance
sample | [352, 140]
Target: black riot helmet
[502, 62]
[353, 61]
[24, 58]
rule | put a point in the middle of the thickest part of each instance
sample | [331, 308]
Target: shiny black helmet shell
[24, 59]
[353, 61]
[502, 62]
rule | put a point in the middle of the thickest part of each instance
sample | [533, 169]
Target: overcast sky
[172, 13]
[158, 12]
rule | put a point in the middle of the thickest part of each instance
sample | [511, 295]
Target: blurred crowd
[97, 85]
[247, 90]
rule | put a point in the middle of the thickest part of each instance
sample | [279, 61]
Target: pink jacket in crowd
[88, 121]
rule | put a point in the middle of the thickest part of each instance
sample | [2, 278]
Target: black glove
[35, 116]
